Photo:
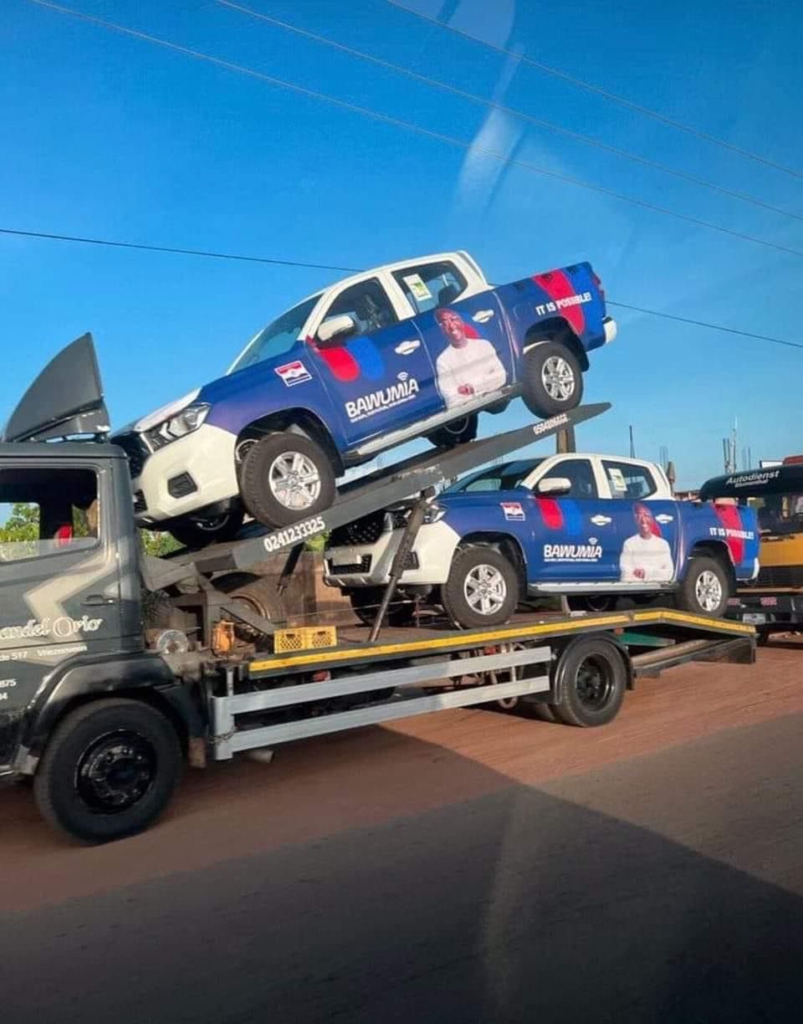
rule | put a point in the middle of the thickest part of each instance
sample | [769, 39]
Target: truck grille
[364, 565]
[136, 450]
[780, 576]
[367, 530]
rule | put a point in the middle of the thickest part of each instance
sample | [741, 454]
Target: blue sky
[107, 136]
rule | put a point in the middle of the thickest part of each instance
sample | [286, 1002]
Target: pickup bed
[594, 526]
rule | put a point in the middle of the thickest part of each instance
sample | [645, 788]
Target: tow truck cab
[70, 609]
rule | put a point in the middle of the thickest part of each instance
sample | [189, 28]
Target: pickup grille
[364, 565]
[136, 450]
[780, 576]
[367, 530]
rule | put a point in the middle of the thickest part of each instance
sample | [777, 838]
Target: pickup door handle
[96, 599]
[600, 520]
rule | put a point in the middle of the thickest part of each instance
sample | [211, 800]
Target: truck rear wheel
[590, 679]
[286, 477]
[552, 379]
[482, 589]
[706, 587]
[108, 771]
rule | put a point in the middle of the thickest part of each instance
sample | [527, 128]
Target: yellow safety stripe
[511, 633]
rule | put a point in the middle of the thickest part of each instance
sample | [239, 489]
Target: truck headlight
[183, 423]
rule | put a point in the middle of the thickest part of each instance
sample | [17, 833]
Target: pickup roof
[407, 350]
[592, 525]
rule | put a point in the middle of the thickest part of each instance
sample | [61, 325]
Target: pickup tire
[199, 531]
[457, 432]
[590, 680]
[551, 379]
[286, 477]
[706, 587]
[482, 588]
[109, 770]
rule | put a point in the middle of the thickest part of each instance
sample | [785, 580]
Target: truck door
[59, 582]
[648, 530]
[574, 538]
[380, 377]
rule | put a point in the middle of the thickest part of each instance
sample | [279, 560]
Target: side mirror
[336, 329]
[554, 485]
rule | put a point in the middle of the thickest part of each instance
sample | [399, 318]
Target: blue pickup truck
[592, 527]
[412, 349]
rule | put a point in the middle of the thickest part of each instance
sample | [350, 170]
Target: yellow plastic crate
[304, 638]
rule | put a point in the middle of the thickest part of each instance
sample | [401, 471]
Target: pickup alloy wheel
[482, 589]
[706, 587]
[286, 477]
[552, 379]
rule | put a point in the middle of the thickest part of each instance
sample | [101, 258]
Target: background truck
[591, 525]
[116, 668]
[408, 350]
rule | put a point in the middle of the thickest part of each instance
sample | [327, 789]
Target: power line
[52, 236]
[171, 249]
[408, 126]
[590, 87]
[710, 326]
[503, 108]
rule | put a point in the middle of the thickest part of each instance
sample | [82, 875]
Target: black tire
[260, 498]
[199, 531]
[80, 791]
[597, 603]
[700, 573]
[365, 603]
[534, 390]
[457, 432]
[590, 679]
[453, 592]
[762, 637]
[260, 596]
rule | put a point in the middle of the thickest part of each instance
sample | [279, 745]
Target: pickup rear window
[628, 481]
[430, 285]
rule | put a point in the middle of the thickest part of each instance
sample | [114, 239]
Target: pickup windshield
[506, 477]
[277, 338]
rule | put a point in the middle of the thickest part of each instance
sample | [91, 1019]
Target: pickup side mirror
[554, 485]
[336, 329]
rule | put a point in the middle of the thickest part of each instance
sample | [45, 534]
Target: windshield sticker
[387, 398]
[513, 511]
[417, 287]
[293, 373]
[617, 479]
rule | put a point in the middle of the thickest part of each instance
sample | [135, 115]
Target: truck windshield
[277, 338]
[506, 477]
[779, 514]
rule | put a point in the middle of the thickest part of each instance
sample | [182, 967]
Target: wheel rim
[594, 684]
[708, 591]
[457, 427]
[557, 377]
[116, 772]
[484, 589]
[294, 480]
[213, 524]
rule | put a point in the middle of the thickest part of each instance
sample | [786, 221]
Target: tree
[21, 525]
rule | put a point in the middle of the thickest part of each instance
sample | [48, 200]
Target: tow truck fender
[116, 675]
[558, 673]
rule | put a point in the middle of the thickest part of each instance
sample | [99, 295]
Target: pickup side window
[430, 285]
[47, 512]
[367, 304]
[628, 481]
[581, 474]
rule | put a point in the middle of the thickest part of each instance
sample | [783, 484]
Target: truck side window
[430, 285]
[367, 304]
[581, 474]
[629, 481]
[46, 511]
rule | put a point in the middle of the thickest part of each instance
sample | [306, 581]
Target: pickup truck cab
[594, 526]
[406, 350]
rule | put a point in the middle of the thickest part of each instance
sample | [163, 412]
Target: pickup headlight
[183, 423]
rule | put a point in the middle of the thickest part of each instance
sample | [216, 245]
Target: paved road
[469, 867]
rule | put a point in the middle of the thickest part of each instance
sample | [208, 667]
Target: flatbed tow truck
[116, 668]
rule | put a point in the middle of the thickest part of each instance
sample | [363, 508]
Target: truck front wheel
[108, 771]
[706, 587]
[551, 379]
[286, 477]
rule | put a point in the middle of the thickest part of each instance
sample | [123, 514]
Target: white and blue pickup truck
[593, 526]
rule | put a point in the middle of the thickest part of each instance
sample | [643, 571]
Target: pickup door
[573, 539]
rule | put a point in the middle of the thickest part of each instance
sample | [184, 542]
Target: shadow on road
[513, 905]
